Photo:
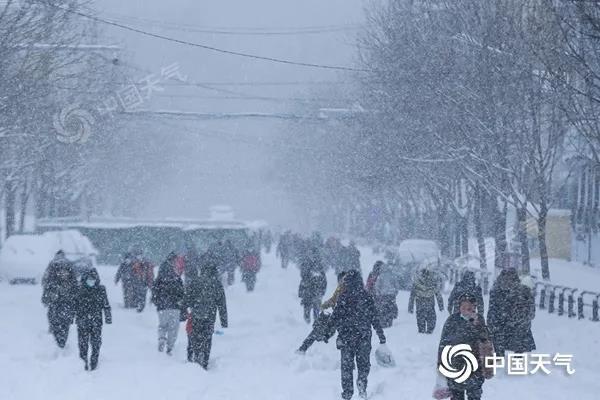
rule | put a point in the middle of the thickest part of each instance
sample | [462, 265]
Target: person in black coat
[167, 296]
[466, 285]
[353, 317]
[91, 303]
[465, 326]
[512, 308]
[313, 283]
[205, 296]
[59, 286]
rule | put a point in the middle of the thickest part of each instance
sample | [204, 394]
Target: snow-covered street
[254, 358]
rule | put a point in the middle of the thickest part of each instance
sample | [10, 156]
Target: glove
[382, 341]
[108, 321]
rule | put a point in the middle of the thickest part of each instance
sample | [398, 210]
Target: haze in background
[202, 163]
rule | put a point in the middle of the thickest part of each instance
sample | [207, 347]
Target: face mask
[90, 282]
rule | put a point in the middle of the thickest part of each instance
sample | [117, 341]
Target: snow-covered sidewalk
[255, 357]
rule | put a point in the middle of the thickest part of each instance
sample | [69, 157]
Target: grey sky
[227, 162]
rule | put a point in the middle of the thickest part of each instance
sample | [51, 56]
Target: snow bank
[26, 256]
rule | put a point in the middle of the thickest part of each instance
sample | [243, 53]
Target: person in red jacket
[250, 266]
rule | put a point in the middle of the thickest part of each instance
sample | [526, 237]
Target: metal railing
[548, 299]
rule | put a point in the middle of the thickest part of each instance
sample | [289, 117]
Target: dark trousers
[60, 321]
[201, 340]
[139, 297]
[359, 351]
[128, 295]
[249, 279]
[460, 395]
[90, 335]
[426, 317]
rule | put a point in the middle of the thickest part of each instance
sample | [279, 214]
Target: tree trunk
[542, 239]
[500, 235]
[23, 206]
[478, 205]
[10, 197]
[522, 232]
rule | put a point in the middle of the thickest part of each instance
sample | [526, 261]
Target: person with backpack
[320, 330]
[313, 283]
[466, 285]
[425, 291]
[250, 266]
[354, 317]
[167, 296]
[92, 302]
[466, 326]
[205, 296]
[59, 294]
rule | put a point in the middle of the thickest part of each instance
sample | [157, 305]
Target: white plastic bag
[384, 357]
[441, 390]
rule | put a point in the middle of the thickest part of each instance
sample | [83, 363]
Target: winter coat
[167, 290]
[458, 330]
[251, 263]
[512, 308]
[204, 294]
[425, 288]
[385, 285]
[355, 314]
[313, 282]
[466, 286]
[92, 301]
[60, 287]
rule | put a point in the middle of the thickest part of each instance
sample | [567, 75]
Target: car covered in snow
[409, 256]
[24, 258]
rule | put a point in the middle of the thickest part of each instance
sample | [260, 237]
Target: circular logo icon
[464, 351]
[73, 125]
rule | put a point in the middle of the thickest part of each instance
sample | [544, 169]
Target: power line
[236, 29]
[206, 47]
[232, 31]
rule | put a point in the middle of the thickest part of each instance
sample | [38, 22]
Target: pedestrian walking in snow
[283, 249]
[250, 266]
[425, 291]
[91, 303]
[466, 326]
[313, 283]
[59, 292]
[167, 296]
[466, 285]
[231, 258]
[321, 329]
[125, 276]
[205, 296]
[354, 317]
[512, 308]
[382, 285]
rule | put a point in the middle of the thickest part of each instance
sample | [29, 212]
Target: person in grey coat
[167, 295]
